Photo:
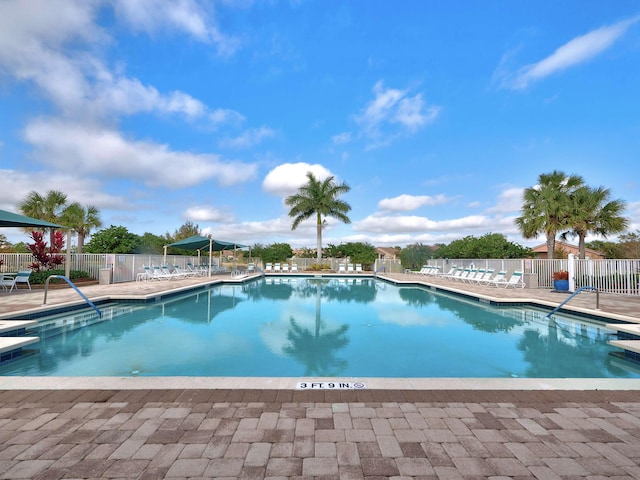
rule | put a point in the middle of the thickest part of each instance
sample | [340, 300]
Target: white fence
[620, 277]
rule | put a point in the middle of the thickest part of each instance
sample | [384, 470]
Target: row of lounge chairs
[479, 276]
[349, 268]
[278, 267]
[163, 272]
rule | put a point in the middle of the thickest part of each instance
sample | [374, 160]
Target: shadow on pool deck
[208, 428]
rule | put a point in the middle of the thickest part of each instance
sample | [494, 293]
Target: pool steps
[628, 339]
[12, 340]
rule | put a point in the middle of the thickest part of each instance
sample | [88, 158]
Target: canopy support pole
[210, 253]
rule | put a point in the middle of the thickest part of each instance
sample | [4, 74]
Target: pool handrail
[46, 290]
[573, 295]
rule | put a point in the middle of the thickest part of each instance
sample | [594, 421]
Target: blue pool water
[292, 327]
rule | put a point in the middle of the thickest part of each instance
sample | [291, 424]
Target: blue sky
[437, 114]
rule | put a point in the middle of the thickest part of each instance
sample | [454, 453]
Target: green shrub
[40, 278]
[316, 267]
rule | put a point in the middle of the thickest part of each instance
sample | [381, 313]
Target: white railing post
[571, 268]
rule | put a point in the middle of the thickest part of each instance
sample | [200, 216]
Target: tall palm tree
[319, 199]
[81, 220]
[48, 207]
[593, 212]
[546, 207]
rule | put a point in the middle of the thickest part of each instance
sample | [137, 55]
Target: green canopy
[198, 242]
[9, 219]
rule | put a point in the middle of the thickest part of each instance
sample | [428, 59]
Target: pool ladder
[573, 295]
[46, 290]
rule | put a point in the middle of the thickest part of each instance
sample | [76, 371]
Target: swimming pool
[329, 327]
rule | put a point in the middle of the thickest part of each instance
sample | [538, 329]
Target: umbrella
[9, 219]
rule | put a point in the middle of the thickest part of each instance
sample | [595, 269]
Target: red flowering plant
[46, 257]
[561, 275]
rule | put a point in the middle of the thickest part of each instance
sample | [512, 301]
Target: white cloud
[12, 181]
[413, 223]
[186, 16]
[33, 48]
[85, 149]
[285, 179]
[341, 138]
[248, 138]
[578, 50]
[510, 200]
[222, 116]
[207, 214]
[405, 203]
[393, 113]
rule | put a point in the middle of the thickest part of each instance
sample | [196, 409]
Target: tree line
[559, 205]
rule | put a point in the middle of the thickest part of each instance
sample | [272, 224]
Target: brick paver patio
[164, 432]
[147, 434]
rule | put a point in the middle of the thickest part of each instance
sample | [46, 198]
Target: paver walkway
[164, 432]
[277, 434]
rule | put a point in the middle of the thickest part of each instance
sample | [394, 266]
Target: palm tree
[592, 212]
[546, 207]
[319, 199]
[81, 220]
[48, 208]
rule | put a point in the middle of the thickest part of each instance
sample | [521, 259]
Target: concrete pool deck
[193, 427]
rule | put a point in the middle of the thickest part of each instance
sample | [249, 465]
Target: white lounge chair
[516, 281]
[194, 270]
[426, 270]
[350, 268]
[342, 268]
[268, 267]
[359, 268]
[450, 273]
[276, 267]
[474, 274]
[12, 281]
[486, 276]
[457, 274]
[177, 269]
[285, 267]
[294, 267]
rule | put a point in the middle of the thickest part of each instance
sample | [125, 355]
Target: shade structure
[10, 219]
[199, 242]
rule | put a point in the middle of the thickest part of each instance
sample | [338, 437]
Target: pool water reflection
[335, 327]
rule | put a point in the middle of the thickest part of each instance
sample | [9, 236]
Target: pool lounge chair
[350, 268]
[501, 276]
[450, 273]
[516, 280]
[359, 268]
[12, 281]
[268, 267]
[426, 270]
[171, 274]
[196, 270]
[456, 274]
[285, 267]
[276, 267]
[294, 267]
[485, 277]
[342, 268]
[474, 274]
[183, 271]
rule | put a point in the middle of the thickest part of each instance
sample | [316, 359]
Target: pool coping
[291, 383]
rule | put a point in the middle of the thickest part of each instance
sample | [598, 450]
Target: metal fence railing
[620, 277]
